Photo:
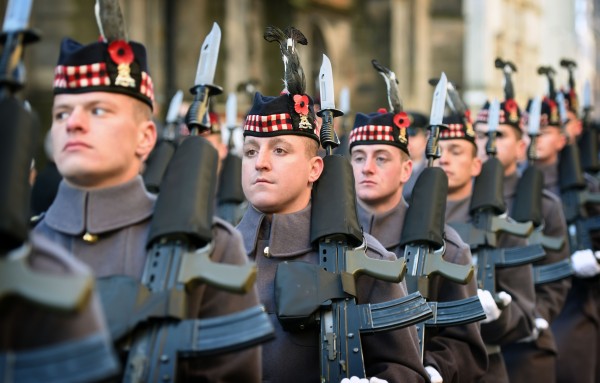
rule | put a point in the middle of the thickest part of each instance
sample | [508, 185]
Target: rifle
[488, 218]
[424, 235]
[54, 293]
[342, 255]
[527, 205]
[231, 202]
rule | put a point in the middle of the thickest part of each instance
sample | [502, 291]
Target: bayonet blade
[17, 15]
[231, 111]
[562, 109]
[587, 95]
[174, 106]
[111, 21]
[326, 85]
[494, 116]
[535, 110]
[439, 101]
[209, 53]
[345, 100]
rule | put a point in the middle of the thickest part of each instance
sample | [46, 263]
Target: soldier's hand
[434, 375]
[490, 307]
[585, 263]
[355, 379]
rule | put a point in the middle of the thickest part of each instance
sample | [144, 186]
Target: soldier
[279, 166]
[577, 323]
[417, 133]
[102, 131]
[515, 320]
[381, 168]
[532, 359]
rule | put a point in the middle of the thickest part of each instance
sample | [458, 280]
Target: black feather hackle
[392, 86]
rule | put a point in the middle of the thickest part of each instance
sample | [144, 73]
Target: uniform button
[266, 252]
[90, 238]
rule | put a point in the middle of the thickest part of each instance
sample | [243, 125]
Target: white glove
[434, 375]
[355, 379]
[540, 325]
[585, 263]
[491, 309]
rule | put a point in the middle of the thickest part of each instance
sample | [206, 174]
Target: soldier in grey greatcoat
[532, 359]
[381, 168]
[579, 321]
[279, 166]
[102, 132]
[514, 285]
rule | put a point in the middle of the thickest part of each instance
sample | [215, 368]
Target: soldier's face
[100, 139]
[510, 147]
[278, 172]
[380, 171]
[548, 144]
[460, 163]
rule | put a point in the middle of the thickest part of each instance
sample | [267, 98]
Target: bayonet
[562, 109]
[345, 100]
[493, 122]
[432, 150]
[533, 126]
[172, 119]
[197, 117]
[231, 111]
[455, 103]
[328, 112]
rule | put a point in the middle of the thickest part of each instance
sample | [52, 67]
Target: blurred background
[418, 39]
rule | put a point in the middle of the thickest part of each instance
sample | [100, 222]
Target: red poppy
[120, 52]
[301, 104]
[382, 110]
[510, 105]
[468, 116]
[402, 120]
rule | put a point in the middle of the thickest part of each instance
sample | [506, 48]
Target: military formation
[293, 248]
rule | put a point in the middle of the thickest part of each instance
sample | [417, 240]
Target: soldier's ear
[561, 142]
[476, 166]
[146, 139]
[316, 168]
[406, 170]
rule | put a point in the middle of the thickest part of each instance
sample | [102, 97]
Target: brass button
[266, 252]
[90, 238]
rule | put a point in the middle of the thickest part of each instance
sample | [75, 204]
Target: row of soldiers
[174, 295]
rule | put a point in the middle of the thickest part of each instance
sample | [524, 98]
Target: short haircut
[142, 111]
[311, 147]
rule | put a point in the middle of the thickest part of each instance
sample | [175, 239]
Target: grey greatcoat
[535, 361]
[294, 357]
[517, 319]
[457, 352]
[120, 217]
[579, 321]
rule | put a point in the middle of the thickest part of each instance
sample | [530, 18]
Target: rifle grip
[521, 229]
[457, 273]
[197, 267]
[357, 262]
